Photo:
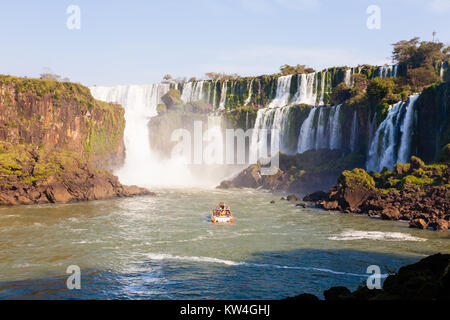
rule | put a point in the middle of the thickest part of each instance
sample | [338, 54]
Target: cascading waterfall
[325, 133]
[394, 131]
[223, 95]
[271, 121]
[214, 95]
[348, 77]
[283, 93]
[305, 92]
[142, 167]
[305, 141]
[321, 141]
[335, 128]
[192, 91]
[250, 93]
[404, 152]
[388, 71]
[322, 87]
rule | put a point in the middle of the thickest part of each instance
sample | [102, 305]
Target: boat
[222, 214]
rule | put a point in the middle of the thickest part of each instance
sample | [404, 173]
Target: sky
[139, 41]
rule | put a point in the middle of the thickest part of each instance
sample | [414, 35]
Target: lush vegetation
[287, 69]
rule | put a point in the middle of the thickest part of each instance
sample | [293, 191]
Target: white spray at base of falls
[395, 130]
[142, 167]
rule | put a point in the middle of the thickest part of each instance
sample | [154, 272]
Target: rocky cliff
[57, 142]
[61, 116]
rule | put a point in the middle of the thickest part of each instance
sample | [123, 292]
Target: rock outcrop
[414, 192]
[302, 173]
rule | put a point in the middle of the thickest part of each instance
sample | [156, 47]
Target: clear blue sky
[136, 41]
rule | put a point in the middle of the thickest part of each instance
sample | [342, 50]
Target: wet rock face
[61, 117]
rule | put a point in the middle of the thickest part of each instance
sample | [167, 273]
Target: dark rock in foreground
[428, 279]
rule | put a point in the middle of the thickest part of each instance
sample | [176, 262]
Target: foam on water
[349, 235]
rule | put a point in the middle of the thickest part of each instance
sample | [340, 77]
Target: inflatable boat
[222, 214]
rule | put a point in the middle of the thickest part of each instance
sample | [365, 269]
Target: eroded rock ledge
[29, 175]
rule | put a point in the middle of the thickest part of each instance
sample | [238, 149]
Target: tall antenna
[434, 36]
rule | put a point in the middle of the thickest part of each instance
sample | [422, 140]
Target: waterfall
[321, 141]
[283, 93]
[335, 129]
[305, 139]
[305, 92]
[348, 77]
[271, 120]
[404, 151]
[223, 96]
[192, 91]
[214, 95]
[246, 121]
[354, 132]
[388, 71]
[322, 88]
[395, 131]
[325, 133]
[250, 92]
[141, 166]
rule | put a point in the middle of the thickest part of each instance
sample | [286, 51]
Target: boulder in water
[292, 198]
[315, 196]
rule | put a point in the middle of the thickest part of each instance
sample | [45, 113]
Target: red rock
[391, 213]
[329, 205]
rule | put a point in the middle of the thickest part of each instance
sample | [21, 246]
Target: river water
[164, 247]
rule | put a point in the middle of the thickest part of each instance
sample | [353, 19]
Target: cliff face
[433, 121]
[56, 142]
[62, 117]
